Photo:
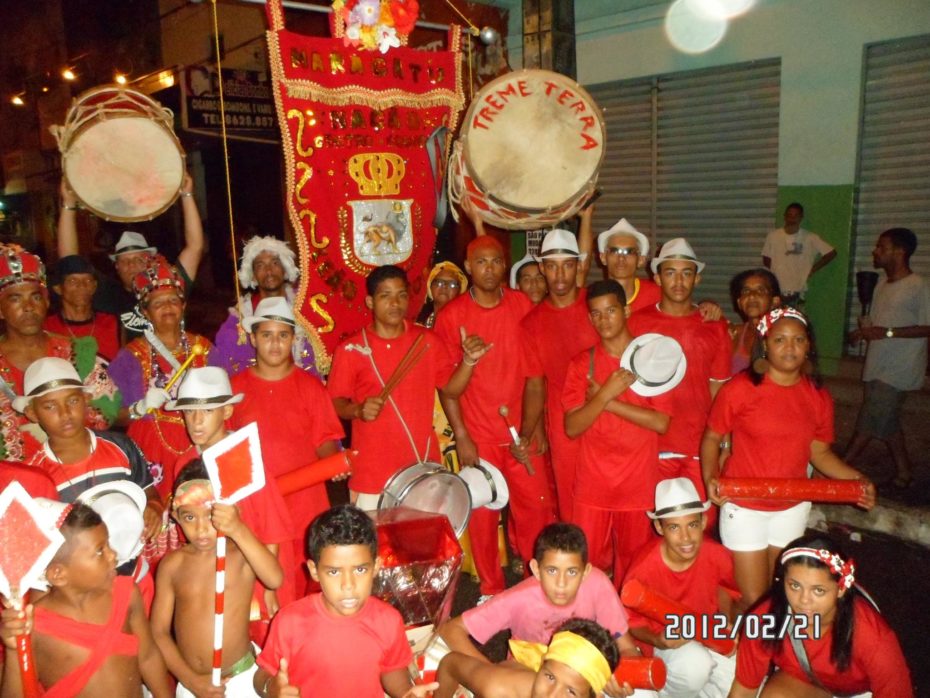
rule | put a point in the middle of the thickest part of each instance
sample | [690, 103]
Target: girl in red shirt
[837, 642]
[779, 419]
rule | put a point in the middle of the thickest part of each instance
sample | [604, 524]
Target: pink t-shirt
[529, 615]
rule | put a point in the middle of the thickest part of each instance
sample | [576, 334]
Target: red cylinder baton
[792, 489]
[658, 607]
[317, 472]
[641, 672]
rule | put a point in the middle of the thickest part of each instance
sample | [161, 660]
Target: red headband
[773, 316]
[845, 569]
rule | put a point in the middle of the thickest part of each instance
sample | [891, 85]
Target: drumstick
[407, 362]
[196, 351]
[504, 412]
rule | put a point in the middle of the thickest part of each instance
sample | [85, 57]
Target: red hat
[159, 274]
[19, 266]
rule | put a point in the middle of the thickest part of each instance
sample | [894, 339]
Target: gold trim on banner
[376, 99]
[305, 177]
[316, 301]
[301, 150]
[319, 244]
[345, 244]
[277, 14]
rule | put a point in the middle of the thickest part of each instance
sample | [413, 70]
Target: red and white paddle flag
[29, 540]
[362, 183]
[236, 470]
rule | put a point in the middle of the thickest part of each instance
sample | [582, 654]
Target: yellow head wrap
[445, 266]
[570, 649]
[192, 493]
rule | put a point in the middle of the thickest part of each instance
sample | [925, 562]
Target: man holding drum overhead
[132, 255]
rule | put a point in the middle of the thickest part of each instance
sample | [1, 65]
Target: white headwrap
[255, 247]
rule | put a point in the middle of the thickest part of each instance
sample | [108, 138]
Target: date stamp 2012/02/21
[753, 626]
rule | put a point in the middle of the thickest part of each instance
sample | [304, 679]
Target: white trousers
[693, 670]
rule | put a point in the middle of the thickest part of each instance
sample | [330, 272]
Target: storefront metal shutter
[696, 155]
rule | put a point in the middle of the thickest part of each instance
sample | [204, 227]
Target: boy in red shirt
[501, 380]
[698, 574]
[206, 400]
[341, 641]
[618, 429]
[307, 430]
[390, 434]
[707, 348]
[90, 636]
[557, 329]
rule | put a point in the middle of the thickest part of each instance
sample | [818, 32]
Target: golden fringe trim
[376, 99]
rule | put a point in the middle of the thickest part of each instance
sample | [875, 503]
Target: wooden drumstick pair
[504, 412]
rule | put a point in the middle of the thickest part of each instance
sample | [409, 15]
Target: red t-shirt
[773, 427]
[382, 445]
[647, 295]
[619, 468]
[695, 588]
[877, 661]
[103, 327]
[289, 436]
[36, 482]
[264, 512]
[336, 655]
[554, 336]
[500, 375]
[707, 348]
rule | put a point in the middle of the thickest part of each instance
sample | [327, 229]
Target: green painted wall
[827, 212]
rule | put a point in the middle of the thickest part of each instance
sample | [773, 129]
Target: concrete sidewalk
[904, 513]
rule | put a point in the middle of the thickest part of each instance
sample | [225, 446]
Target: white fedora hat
[275, 309]
[517, 266]
[657, 361]
[677, 497]
[676, 248]
[131, 241]
[623, 227]
[46, 375]
[486, 484]
[121, 504]
[559, 244]
[204, 389]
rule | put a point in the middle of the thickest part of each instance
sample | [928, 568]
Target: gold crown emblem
[377, 174]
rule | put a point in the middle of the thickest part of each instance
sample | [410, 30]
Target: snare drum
[120, 155]
[429, 487]
[529, 152]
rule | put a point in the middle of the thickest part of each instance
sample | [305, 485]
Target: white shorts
[746, 530]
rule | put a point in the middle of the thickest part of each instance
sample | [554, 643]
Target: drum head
[535, 139]
[127, 168]
[430, 487]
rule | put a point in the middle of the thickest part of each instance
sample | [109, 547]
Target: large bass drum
[120, 155]
[429, 487]
[529, 152]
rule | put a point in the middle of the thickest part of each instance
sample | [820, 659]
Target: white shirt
[899, 362]
[793, 256]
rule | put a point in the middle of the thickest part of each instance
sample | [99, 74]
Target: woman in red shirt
[836, 642]
[780, 419]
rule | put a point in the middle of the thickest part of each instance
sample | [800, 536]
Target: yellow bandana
[446, 266]
[192, 493]
[570, 649]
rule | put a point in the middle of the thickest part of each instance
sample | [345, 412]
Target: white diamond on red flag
[29, 540]
[235, 465]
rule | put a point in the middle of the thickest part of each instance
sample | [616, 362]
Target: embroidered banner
[361, 191]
